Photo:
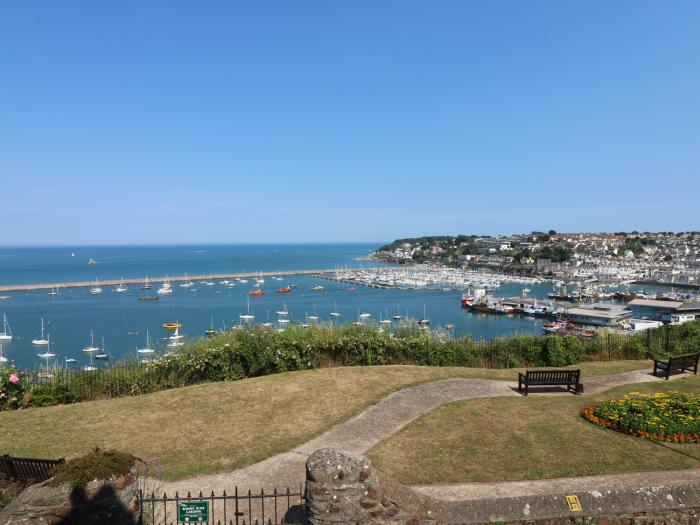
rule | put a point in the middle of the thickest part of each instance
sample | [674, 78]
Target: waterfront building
[666, 311]
[599, 314]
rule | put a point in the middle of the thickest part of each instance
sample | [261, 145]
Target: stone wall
[113, 502]
[344, 489]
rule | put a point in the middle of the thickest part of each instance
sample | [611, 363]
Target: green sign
[193, 511]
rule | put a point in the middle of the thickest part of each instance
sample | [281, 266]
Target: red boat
[288, 289]
[351, 289]
[256, 293]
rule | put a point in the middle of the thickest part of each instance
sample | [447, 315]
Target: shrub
[97, 464]
[12, 387]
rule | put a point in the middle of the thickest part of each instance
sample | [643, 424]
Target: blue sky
[138, 122]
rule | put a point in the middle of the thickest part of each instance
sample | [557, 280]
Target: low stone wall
[113, 502]
[344, 489]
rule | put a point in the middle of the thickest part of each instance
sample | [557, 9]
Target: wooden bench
[678, 363]
[568, 378]
[29, 468]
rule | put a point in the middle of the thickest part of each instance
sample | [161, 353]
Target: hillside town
[656, 258]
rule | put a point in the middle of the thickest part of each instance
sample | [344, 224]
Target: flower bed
[672, 417]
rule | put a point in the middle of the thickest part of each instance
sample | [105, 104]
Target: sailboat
[187, 283]
[54, 290]
[211, 331]
[176, 339]
[166, 288]
[41, 341]
[96, 290]
[48, 354]
[247, 317]
[425, 321]
[6, 334]
[335, 312]
[104, 354]
[313, 317]
[92, 348]
[397, 317]
[209, 282]
[146, 285]
[120, 288]
[284, 310]
[147, 350]
[3, 359]
[386, 319]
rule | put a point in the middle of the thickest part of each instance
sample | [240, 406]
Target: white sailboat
[166, 288]
[6, 334]
[147, 350]
[120, 288]
[397, 317]
[247, 317]
[335, 312]
[425, 321]
[104, 354]
[283, 311]
[96, 290]
[54, 290]
[91, 348]
[3, 359]
[41, 341]
[146, 285]
[176, 339]
[187, 283]
[48, 354]
[313, 317]
[209, 282]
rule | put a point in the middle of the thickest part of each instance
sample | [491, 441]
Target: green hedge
[257, 351]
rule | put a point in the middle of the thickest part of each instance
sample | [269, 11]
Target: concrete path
[377, 423]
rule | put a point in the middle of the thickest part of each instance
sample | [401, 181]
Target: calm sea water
[123, 321]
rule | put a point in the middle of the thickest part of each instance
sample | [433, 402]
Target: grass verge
[523, 438]
[223, 426]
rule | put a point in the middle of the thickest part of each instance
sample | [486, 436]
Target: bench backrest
[684, 360]
[553, 376]
[36, 469]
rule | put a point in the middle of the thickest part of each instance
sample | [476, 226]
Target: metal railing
[263, 508]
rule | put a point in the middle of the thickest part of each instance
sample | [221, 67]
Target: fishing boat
[503, 309]
[172, 326]
[6, 334]
[120, 288]
[286, 289]
[146, 285]
[91, 348]
[554, 327]
[96, 290]
[41, 341]
[256, 293]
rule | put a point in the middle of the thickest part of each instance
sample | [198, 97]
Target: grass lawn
[222, 426]
[525, 438]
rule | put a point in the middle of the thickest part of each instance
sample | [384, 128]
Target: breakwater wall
[178, 278]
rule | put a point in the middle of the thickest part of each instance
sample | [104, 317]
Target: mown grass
[226, 425]
[523, 438]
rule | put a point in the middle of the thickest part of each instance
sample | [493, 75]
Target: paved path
[377, 423]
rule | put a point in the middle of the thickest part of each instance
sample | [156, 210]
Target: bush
[98, 464]
[12, 388]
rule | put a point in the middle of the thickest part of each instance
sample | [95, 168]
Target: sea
[120, 323]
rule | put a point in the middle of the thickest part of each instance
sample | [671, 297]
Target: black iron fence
[264, 508]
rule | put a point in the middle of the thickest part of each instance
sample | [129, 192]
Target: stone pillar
[343, 488]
